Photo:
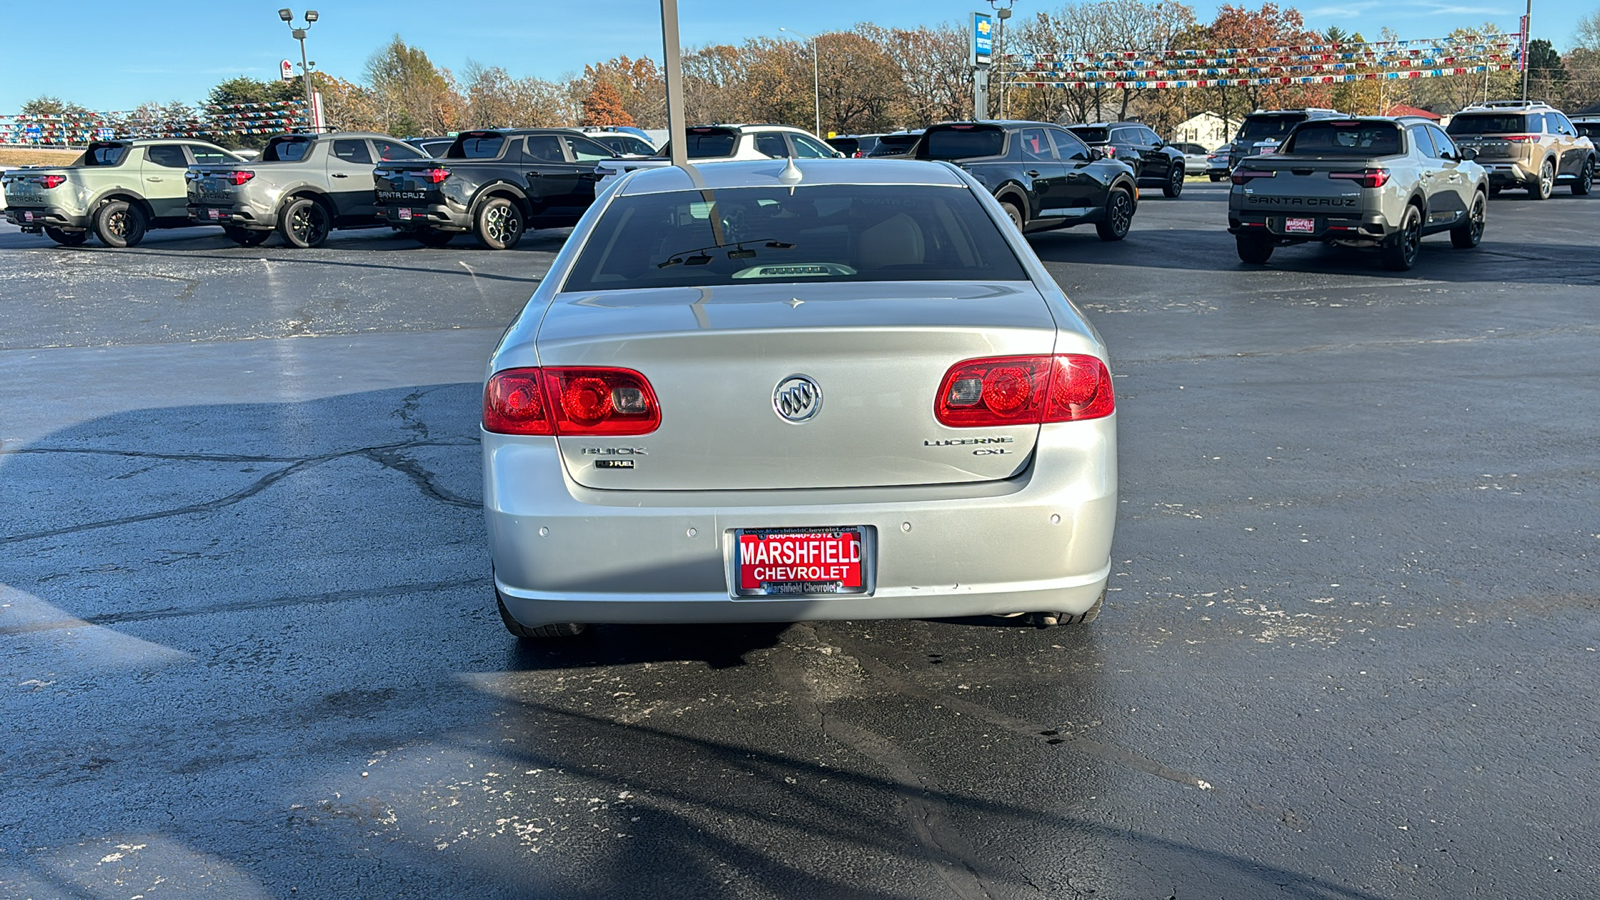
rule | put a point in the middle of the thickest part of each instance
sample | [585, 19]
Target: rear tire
[1585, 181]
[1014, 214]
[1215, 177]
[427, 237]
[245, 237]
[553, 630]
[1118, 218]
[304, 223]
[1400, 252]
[1254, 249]
[1174, 185]
[1545, 184]
[120, 224]
[66, 238]
[498, 224]
[1467, 235]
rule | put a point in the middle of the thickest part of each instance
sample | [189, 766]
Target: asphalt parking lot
[248, 645]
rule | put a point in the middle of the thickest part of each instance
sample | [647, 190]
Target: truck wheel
[1467, 235]
[1174, 185]
[1254, 249]
[246, 237]
[120, 224]
[1118, 218]
[427, 237]
[1545, 185]
[498, 224]
[1400, 253]
[66, 238]
[304, 223]
[1585, 179]
[1215, 177]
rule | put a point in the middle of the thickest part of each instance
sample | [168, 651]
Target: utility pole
[677, 132]
[816, 81]
[1527, 19]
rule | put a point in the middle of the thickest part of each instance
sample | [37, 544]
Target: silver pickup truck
[1359, 182]
[304, 186]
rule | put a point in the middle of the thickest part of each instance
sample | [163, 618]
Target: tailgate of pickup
[409, 183]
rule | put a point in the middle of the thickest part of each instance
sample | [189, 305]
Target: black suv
[1264, 130]
[1042, 174]
[896, 145]
[1155, 162]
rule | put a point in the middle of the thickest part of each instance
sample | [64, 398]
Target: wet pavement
[248, 645]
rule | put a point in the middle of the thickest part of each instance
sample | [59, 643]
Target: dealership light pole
[287, 16]
[1527, 20]
[816, 81]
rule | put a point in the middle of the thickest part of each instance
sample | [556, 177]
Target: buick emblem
[797, 398]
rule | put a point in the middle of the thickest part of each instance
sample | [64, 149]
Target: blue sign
[982, 39]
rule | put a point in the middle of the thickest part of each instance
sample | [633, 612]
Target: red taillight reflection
[436, 175]
[570, 401]
[51, 181]
[1024, 390]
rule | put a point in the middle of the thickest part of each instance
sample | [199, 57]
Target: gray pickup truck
[304, 186]
[1358, 182]
[117, 190]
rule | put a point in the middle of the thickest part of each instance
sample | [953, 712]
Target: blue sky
[190, 46]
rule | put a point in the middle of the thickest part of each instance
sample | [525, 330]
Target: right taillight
[570, 401]
[436, 175]
[1024, 390]
[238, 177]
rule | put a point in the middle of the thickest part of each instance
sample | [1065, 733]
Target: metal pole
[816, 87]
[305, 72]
[1527, 42]
[677, 133]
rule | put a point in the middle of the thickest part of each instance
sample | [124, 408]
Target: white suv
[721, 143]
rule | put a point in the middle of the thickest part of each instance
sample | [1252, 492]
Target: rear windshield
[477, 146]
[824, 233]
[285, 149]
[103, 154]
[1345, 139]
[1092, 135]
[949, 143]
[847, 146]
[706, 144]
[893, 143]
[1513, 123]
[1261, 128]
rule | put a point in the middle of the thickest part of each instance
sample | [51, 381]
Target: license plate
[27, 217]
[1267, 151]
[405, 214]
[214, 214]
[777, 561]
[1299, 226]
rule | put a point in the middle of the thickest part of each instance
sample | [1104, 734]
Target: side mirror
[1468, 154]
[1095, 154]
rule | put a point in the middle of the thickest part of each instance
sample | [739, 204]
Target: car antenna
[791, 174]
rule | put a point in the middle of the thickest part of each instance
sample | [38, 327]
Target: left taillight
[1024, 390]
[435, 175]
[570, 401]
[1369, 178]
[237, 178]
[52, 181]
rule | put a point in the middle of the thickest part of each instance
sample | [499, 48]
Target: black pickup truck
[494, 183]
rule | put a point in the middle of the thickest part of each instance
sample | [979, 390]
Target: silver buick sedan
[793, 390]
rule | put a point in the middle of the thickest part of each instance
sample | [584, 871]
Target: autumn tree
[640, 85]
[1451, 93]
[603, 106]
[1269, 26]
[413, 96]
[934, 75]
[715, 80]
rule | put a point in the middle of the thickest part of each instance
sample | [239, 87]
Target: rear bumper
[1362, 227]
[1509, 174]
[437, 216]
[1038, 542]
[232, 216]
[36, 218]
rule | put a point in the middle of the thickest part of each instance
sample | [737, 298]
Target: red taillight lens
[1110, 150]
[1241, 176]
[238, 178]
[52, 181]
[1024, 390]
[436, 175]
[1521, 138]
[1369, 178]
[570, 401]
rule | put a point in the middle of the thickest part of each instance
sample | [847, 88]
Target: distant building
[1400, 109]
[1206, 129]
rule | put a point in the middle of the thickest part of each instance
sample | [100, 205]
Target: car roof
[765, 172]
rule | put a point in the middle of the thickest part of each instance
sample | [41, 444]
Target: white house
[1206, 129]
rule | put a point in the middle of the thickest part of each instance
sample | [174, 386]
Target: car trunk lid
[716, 358]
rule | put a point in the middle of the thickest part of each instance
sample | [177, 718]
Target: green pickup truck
[117, 189]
